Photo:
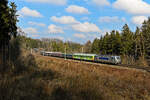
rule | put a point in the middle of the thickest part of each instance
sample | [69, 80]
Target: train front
[117, 59]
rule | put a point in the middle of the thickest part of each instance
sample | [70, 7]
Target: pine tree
[118, 43]
[104, 44]
[8, 28]
[112, 42]
[127, 41]
[95, 46]
[4, 23]
[13, 19]
[101, 44]
[138, 43]
[146, 35]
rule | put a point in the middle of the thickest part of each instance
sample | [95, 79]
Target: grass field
[59, 79]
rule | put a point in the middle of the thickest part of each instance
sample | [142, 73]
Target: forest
[125, 42]
[130, 45]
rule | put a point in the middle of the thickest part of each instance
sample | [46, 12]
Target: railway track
[147, 69]
[144, 68]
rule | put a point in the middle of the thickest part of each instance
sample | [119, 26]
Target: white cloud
[138, 7]
[104, 31]
[108, 19]
[56, 2]
[92, 36]
[78, 35]
[85, 27]
[77, 9]
[60, 38]
[64, 20]
[25, 11]
[138, 20]
[84, 18]
[57, 37]
[55, 29]
[101, 2]
[35, 36]
[30, 30]
[36, 24]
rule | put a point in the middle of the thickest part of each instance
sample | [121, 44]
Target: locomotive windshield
[118, 57]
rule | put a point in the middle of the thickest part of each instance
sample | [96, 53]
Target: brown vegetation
[59, 79]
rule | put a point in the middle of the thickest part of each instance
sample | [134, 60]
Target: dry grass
[99, 81]
[59, 79]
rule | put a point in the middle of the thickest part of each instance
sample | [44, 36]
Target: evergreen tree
[95, 46]
[13, 19]
[117, 46]
[105, 44]
[111, 43]
[138, 43]
[8, 28]
[146, 36]
[101, 44]
[4, 23]
[127, 41]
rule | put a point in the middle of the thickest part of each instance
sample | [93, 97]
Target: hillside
[59, 79]
[85, 81]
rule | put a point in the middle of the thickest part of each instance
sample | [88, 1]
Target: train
[109, 59]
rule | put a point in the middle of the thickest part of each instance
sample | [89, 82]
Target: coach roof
[83, 54]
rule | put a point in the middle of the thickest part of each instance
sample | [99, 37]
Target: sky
[79, 20]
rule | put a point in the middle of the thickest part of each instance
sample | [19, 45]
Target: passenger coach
[81, 56]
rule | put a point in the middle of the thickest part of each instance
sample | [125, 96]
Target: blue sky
[79, 20]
